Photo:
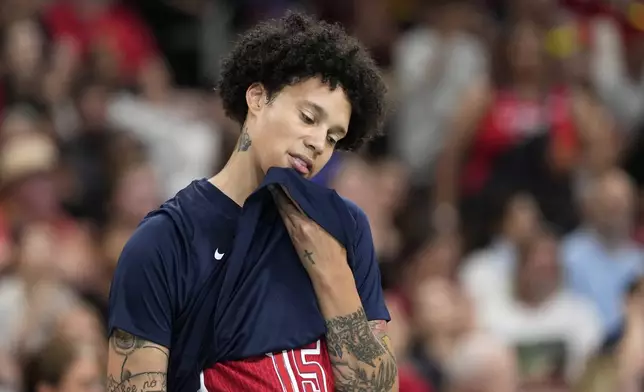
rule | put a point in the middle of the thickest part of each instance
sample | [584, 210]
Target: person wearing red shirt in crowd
[523, 131]
[103, 25]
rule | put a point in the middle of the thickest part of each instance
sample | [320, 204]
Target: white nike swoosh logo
[218, 256]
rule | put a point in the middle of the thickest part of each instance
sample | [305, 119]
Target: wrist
[328, 276]
[336, 292]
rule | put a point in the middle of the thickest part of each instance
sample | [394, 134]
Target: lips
[301, 164]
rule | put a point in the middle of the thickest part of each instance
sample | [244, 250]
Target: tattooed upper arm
[135, 364]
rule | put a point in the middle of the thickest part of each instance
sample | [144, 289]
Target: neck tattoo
[244, 141]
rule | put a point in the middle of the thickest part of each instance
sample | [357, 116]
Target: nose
[316, 141]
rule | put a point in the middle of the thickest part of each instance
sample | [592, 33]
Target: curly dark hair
[278, 53]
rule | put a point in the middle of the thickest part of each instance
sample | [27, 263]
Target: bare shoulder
[136, 364]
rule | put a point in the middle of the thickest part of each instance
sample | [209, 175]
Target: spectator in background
[441, 312]
[391, 190]
[10, 373]
[165, 119]
[27, 164]
[19, 119]
[59, 84]
[617, 72]
[486, 275]
[565, 37]
[553, 331]
[437, 310]
[12, 10]
[433, 64]
[23, 46]
[48, 245]
[89, 155]
[409, 379]
[438, 258]
[65, 366]
[483, 364]
[524, 133]
[377, 188]
[81, 324]
[377, 30]
[103, 28]
[32, 299]
[30, 199]
[136, 193]
[621, 366]
[600, 258]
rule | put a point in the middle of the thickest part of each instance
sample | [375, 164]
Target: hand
[319, 251]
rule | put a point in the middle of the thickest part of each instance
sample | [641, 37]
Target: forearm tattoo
[140, 365]
[361, 360]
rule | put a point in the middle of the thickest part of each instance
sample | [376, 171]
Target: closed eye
[307, 119]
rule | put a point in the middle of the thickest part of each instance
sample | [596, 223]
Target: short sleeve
[366, 270]
[144, 289]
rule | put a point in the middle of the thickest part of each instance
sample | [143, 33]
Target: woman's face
[299, 127]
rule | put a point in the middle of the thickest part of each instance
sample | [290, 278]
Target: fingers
[284, 204]
[284, 207]
[296, 222]
[286, 200]
[286, 218]
[292, 202]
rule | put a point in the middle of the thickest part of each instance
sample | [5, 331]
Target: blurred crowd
[506, 199]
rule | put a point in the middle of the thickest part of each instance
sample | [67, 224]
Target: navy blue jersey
[219, 284]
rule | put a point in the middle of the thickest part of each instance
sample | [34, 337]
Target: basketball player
[181, 318]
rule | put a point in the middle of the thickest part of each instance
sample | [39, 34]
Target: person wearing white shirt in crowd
[485, 273]
[553, 330]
